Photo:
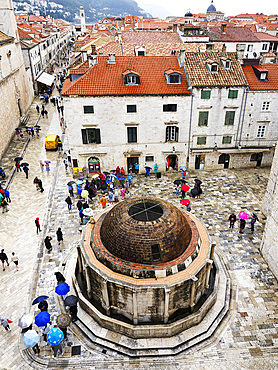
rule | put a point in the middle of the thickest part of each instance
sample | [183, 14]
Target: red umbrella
[185, 187]
[185, 202]
[243, 215]
[2, 191]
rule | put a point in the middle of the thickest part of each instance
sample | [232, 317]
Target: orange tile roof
[272, 77]
[199, 75]
[107, 79]
[263, 36]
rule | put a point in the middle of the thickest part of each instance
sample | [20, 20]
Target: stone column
[193, 290]
[106, 298]
[79, 259]
[166, 304]
[135, 310]
[88, 281]
[209, 267]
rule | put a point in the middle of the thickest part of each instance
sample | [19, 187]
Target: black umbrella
[199, 182]
[40, 299]
[24, 164]
[103, 186]
[18, 128]
[71, 300]
[37, 126]
[148, 167]
[106, 173]
[178, 182]
[17, 159]
[71, 183]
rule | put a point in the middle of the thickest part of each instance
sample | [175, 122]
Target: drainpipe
[241, 117]
[190, 126]
[243, 114]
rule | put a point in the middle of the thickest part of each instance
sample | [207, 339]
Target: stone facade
[15, 90]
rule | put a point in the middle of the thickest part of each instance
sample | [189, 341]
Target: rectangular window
[131, 108]
[209, 47]
[264, 47]
[131, 80]
[233, 94]
[230, 118]
[88, 109]
[201, 140]
[250, 48]
[132, 134]
[172, 133]
[174, 79]
[203, 118]
[205, 94]
[261, 131]
[266, 105]
[156, 254]
[91, 136]
[149, 158]
[227, 140]
[170, 107]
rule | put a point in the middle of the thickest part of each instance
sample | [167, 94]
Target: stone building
[16, 90]
[147, 270]
[123, 110]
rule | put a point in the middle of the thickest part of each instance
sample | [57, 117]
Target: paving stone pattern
[249, 337]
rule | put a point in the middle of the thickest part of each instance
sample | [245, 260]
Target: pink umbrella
[185, 187]
[185, 202]
[243, 215]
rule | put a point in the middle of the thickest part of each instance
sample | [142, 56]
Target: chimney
[93, 50]
[223, 28]
[175, 27]
[181, 56]
[119, 36]
[84, 56]
[111, 59]
[92, 60]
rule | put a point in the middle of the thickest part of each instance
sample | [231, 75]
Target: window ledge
[131, 124]
[230, 107]
[171, 123]
[90, 125]
[204, 107]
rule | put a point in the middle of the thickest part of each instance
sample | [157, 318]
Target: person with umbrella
[243, 216]
[25, 322]
[30, 340]
[147, 171]
[254, 218]
[54, 338]
[42, 318]
[43, 305]
[59, 277]
[7, 195]
[17, 163]
[5, 323]
[63, 321]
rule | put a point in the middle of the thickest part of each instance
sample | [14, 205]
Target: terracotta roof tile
[272, 77]
[232, 34]
[200, 76]
[105, 79]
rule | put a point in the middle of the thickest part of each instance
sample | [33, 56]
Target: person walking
[7, 195]
[4, 205]
[232, 219]
[47, 167]
[69, 202]
[43, 305]
[122, 190]
[242, 224]
[81, 215]
[40, 186]
[66, 164]
[116, 196]
[254, 218]
[103, 201]
[57, 348]
[4, 258]
[47, 243]
[17, 165]
[70, 188]
[59, 277]
[36, 349]
[155, 169]
[42, 165]
[14, 259]
[26, 170]
[136, 168]
[73, 313]
[59, 235]
[130, 178]
[45, 330]
[37, 223]
[38, 108]
[177, 189]
[5, 323]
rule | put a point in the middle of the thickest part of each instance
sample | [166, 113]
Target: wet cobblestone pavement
[248, 337]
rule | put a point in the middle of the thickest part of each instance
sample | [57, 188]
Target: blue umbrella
[30, 338]
[42, 318]
[39, 299]
[55, 336]
[108, 181]
[79, 182]
[121, 178]
[183, 168]
[62, 289]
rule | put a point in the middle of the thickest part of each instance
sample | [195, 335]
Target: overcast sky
[179, 8]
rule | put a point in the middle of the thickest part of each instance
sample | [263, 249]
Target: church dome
[188, 14]
[211, 8]
[118, 18]
[145, 231]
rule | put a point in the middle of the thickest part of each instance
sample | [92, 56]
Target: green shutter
[230, 118]
[84, 136]
[205, 94]
[233, 94]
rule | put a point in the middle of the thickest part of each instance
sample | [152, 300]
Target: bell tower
[7, 19]
[82, 20]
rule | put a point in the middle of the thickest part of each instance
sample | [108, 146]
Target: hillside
[69, 9]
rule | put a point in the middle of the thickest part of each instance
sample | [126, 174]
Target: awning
[46, 79]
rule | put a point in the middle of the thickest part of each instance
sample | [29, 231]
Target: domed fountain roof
[145, 231]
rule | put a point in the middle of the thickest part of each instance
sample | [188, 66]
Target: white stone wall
[111, 117]
[269, 246]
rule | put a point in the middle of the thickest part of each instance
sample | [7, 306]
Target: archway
[172, 162]
[93, 164]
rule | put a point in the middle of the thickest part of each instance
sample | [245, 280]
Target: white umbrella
[26, 320]
[87, 212]
[30, 338]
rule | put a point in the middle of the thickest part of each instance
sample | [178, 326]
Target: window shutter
[98, 136]
[125, 80]
[177, 134]
[137, 80]
[84, 136]
[168, 133]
